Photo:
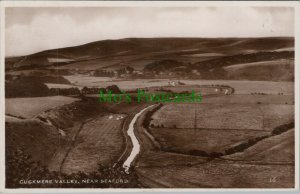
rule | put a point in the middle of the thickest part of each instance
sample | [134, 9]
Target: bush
[198, 153]
[114, 89]
[283, 128]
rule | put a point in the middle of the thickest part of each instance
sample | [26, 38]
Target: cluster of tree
[87, 90]
[258, 93]
[63, 91]
[114, 89]
[157, 126]
[283, 128]
[125, 70]
[103, 73]
[120, 71]
[20, 166]
[241, 147]
[205, 154]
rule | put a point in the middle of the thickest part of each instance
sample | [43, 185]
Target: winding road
[136, 145]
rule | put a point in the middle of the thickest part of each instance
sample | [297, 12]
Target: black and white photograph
[150, 95]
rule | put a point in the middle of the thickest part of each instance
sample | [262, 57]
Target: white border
[2, 101]
[4, 4]
[297, 89]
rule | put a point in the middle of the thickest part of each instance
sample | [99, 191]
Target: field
[91, 81]
[92, 64]
[191, 141]
[229, 116]
[188, 133]
[248, 87]
[280, 148]
[99, 141]
[265, 70]
[239, 136]
[211, 175]
[63, 86]
[255, 64]
[204, 90]
[30, 107]
[84, 80]
[240, 86]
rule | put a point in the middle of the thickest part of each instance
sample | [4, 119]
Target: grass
[275, 115]
[271, 71]
[92, 64]
[63, 86]
[84, 80]
[229, 116]
[218, 174]
[213, 127]
[197, 115]
[100, 141]
[162, 158]
[279, 148]
[257, 64]
[40, 140]
[216, 124]
[30, 107]
[188, 141]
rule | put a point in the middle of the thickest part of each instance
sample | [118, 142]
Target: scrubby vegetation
[283, 128]
[276, 131]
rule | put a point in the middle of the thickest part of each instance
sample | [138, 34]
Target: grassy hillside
[30, 107]
[201, 58]
[37, 138]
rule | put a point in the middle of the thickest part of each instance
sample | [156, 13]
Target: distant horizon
[33, 29]
[12, 56]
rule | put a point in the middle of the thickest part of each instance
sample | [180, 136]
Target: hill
[203, 58]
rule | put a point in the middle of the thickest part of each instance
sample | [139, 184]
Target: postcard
[149, 96]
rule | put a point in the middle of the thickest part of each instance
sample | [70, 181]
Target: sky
[32, 29]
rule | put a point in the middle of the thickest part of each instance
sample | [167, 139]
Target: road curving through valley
[135, 143]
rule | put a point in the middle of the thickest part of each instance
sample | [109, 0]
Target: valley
[243, 129]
